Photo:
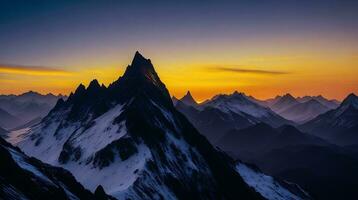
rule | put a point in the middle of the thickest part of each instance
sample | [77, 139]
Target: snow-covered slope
[22, 177]
[268, 187]
[239, 103]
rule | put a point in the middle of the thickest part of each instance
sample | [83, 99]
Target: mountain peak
[30, 93]
[288, 96]
[351, 99]
[140, 62]
[188, 99]
[141, 68]
[93, 84]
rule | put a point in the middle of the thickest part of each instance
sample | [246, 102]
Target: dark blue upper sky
[34, 32]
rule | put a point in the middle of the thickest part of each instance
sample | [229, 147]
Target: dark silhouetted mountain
[7, 120]
[22, 177]
[283, 103]
[294, 156]
[261, 138]
[339, 126]
[130, 139]
[331, 104]
[27, 106]
[188, 99]
[325, 172]
[305, 111]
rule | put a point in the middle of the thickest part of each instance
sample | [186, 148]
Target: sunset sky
[260, 47]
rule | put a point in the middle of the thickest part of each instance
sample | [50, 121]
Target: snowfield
[264, 184]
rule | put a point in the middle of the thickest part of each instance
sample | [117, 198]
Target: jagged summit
[288, 96]
[188, 99]
[94, 84]
[141, 67]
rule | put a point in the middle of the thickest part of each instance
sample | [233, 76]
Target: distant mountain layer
[222, 113]
[300, 109]
[332, 104]
[305, 111]
[22, 177]
[188, 99]
[339, 126]
[7, 120]
[213, 122]
[25, 107]
[284, 103]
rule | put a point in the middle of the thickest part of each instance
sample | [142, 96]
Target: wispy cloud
[243, 70]
[33, 70]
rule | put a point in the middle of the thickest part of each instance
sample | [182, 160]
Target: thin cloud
[242, 69]
[33, 70]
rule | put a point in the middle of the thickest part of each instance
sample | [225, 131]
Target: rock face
[22, 177]
[130, 139]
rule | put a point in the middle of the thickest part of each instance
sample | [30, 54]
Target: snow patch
[102, 133]
[115, 178]
[264, 184]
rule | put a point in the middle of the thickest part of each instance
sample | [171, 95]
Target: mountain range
[17, 110]
[225, 112]
[130, 139]
[324, 136]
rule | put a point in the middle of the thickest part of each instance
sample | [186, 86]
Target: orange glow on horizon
[260, 76]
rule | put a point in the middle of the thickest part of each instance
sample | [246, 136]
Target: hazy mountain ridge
[216, 116]
[298, 109]
[26, 107]
[339, 125]
[304, 111]
[7, 120]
